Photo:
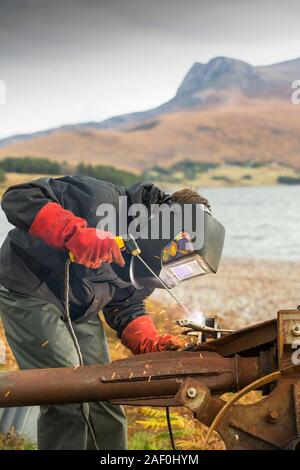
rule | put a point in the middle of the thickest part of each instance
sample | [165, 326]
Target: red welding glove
[141, 336]
[61, 229]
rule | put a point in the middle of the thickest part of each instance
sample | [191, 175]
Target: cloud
[68, 60]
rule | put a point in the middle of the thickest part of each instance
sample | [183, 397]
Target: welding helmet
[177, 242]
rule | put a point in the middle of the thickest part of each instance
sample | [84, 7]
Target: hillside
[224, 110]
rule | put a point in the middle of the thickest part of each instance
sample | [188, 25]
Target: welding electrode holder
[128, 243]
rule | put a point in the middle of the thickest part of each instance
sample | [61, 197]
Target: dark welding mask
[179, 243]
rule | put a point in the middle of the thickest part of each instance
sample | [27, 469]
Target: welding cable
[76, 344]
[171, 435]
[274, 376]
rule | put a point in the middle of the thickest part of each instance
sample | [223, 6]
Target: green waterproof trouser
[39, 338]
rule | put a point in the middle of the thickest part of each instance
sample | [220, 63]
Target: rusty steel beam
[150, 376]
[246, 339]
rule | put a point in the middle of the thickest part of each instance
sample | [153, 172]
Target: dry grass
[10, 363]
[13, 441]
[231, 175]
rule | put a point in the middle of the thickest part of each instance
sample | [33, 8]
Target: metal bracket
[270, 423]
[288, 331]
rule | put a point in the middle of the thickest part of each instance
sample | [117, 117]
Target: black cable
[76, 344]
[80, 358]
[172, 441]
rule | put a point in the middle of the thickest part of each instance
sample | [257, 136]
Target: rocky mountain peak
[219, 72]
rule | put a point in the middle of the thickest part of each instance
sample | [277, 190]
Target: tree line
[44, 166]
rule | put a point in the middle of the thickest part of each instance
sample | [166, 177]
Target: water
[261, 222]
[5, 226]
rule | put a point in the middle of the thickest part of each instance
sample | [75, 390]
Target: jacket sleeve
[21, 203]
[78, 194]
[126, 305]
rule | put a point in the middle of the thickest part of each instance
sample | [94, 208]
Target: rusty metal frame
[270, 424]
[191, 379]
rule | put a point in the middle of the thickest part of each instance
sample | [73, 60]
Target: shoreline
[243, 292]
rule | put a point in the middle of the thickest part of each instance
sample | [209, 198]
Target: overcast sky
[67, 61]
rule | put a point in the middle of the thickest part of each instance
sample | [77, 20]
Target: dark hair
[188, 196]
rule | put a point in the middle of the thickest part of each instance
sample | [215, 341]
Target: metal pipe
[155, 375]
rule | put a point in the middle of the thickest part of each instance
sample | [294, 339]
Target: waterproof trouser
[39, 338]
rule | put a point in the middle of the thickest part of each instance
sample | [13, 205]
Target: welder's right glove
[61, 229]
[141, 336]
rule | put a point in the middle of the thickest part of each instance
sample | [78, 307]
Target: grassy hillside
[242, 130]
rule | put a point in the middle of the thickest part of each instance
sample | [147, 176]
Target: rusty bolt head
[272, 417]
[296, 330]
[191, 392]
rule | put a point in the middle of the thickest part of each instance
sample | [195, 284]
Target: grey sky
[66, 61]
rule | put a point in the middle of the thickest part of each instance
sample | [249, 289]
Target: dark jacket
[29, 266]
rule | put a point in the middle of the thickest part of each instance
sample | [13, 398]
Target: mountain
[226, 109]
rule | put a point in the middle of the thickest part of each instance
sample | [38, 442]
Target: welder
[54, 217]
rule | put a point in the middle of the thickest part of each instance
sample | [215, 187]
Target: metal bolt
[272, 417]
[191, 392]
[296, 330]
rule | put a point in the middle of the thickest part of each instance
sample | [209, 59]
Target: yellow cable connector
[120, 242]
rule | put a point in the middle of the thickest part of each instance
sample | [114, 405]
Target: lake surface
[262, 222]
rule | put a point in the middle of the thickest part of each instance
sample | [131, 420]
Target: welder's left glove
[141, 336]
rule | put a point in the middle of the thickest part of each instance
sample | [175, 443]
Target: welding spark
[197, 316]
[131, 375]
[44, 344]
[7, 393]
[161, 312]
